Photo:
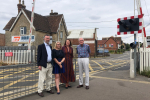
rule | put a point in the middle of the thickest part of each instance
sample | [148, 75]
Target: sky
[83, 14]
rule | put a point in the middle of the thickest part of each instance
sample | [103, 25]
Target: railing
[20, 80]
[144, 59]
[20, 55]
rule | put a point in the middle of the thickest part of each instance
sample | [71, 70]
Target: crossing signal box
[129, 25]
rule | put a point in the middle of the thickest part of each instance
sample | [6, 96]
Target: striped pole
[31, 26]
[139, 8]
[30, 34]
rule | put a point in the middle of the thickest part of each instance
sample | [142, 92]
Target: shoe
[66, 87]
[79, 86]
[51, 92]
[87, 87]
[69, 86]
[41, 94]
[58, 93]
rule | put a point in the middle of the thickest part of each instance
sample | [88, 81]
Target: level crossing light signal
[129, 25]
[133, 45]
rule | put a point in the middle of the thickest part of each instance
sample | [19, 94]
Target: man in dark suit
[44, 62]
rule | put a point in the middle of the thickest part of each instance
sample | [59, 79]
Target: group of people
[58, 61]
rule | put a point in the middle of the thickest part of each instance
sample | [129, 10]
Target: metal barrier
[20, 80]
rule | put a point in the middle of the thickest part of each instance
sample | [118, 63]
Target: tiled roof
[9, 24]
[41, 23]
[101, 41]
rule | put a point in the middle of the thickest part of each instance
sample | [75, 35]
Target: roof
[84, 33]
[101, 42]
[9, 24]
[41, 23]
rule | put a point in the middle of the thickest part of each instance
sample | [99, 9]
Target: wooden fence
[20, 55]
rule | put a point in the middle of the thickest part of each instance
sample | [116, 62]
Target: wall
[2, 39]
[111, 41]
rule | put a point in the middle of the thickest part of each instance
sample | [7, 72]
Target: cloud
[81, 11]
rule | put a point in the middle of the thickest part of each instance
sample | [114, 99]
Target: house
[17, 29]
[117, 39]
[2, 39]
[89, 35]
[108, 43]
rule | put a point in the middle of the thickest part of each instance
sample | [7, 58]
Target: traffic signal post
[131, 25]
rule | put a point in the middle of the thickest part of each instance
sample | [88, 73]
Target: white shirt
[49, 57]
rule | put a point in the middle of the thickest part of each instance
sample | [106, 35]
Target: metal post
[135, 55]
[75, 70]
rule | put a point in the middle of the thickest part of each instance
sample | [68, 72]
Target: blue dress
[59, 55]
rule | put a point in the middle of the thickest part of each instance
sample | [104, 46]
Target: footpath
[107, 85]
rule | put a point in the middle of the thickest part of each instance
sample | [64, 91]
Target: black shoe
[69, 86]
[58, 93]
[79, 86]
[51, 92]
[66, 87]
[41, 94]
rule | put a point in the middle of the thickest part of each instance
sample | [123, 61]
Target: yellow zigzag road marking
[90, 67]
[12, 83]
[98, 64]
[14, 73]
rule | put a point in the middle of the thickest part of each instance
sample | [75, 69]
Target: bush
[146, 73]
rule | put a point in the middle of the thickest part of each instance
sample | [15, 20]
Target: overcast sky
[105, 11]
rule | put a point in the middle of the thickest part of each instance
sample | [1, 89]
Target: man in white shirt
[44, 62]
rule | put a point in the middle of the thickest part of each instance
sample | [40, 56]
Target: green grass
[145, 73]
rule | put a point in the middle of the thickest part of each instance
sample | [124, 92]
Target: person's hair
[55, 47]
[81, 38]
[70, 43]
[46, 35]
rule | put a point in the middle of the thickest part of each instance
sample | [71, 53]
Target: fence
[20, 55]
[144, 59]
[20, 80]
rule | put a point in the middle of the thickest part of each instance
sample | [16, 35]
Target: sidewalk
[108, 85]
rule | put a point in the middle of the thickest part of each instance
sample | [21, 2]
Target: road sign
[8, 54]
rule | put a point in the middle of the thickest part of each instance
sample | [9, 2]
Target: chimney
[21, 6]
[53, 13]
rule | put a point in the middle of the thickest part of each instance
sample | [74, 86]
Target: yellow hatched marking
[98, 64]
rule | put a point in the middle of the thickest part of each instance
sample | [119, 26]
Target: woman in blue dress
[59, 58]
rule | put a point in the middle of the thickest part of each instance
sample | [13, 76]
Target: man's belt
[83, 57]
[49, 62]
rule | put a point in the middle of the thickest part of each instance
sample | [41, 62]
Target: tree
[127, 46]
[122, 46]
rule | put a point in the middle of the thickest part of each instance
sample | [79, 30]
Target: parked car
[106, 52]
[100, 52]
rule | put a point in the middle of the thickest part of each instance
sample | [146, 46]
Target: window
[61, 34]
[112, 45]
[109, 45]
[105, 45]
[99, 46]
[102, 45]
[22, 30]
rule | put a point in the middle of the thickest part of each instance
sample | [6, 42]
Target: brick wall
[2, 39]
[111, 41]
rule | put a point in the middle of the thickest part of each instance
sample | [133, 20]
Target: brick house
[109, 44]
[17, 29]
[2, 39]
[90, 38]
[117, 39]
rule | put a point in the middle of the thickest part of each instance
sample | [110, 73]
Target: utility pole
[30, 34]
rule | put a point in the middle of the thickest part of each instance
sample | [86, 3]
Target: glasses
[81, 40]
[58, 44]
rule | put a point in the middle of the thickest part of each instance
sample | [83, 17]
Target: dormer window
[22, 30]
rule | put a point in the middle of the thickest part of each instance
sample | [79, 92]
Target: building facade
[2, 39]
[17, 29]
[89, 36]
[109, 44]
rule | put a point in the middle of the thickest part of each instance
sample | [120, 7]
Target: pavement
[112, 84]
